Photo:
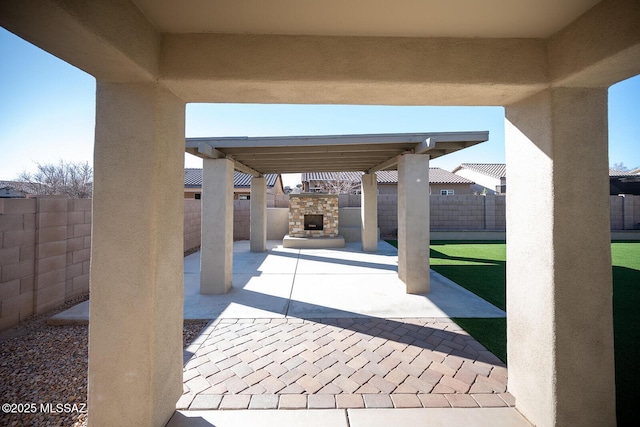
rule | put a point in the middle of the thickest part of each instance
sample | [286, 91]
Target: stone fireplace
[313, 215]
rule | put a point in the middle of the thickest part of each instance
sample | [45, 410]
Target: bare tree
[65, 178]
[619, 167]
[341, 184]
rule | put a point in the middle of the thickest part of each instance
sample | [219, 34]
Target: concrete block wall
[51, 254]
[241, 219]
[500, 212]
[78, 247]
[192, 223]
[277, 200]
[17, 260]
[617, 213]
[463, 212]
[388, 214]
[44, 256]
[349, 200]
[625, 212]
[631, 210]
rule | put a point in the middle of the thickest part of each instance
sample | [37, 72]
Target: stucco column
[135, 328]
[258, 214]
[413, 222]
[216, 247]
[559, 289]
[369, 212]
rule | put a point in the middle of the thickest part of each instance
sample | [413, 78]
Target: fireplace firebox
[313, 222]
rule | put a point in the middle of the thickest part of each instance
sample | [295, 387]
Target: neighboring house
[7, 192]
[440, 182]
[489, 178]
[14, 189]
[241, 184]
[621, 182]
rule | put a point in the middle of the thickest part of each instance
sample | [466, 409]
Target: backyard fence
[44, 257]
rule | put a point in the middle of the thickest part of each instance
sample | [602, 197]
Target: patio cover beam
[329, 153]
[207, 151]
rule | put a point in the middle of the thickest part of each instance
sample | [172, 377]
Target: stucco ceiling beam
[111, 40]
[600, 48]
[358, 70]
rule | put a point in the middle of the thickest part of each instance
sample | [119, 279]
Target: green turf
[480, 267]
[477, 266]
[490, 332]
[626, 328]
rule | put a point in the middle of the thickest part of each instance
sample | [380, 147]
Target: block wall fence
[45, 248]
[45, 243]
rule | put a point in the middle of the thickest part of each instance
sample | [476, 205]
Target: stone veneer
[313, 204]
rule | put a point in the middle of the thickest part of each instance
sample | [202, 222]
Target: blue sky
[47, 114]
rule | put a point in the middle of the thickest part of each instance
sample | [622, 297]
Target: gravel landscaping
[42, 364]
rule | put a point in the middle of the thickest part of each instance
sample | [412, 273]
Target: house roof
[494, 170]
[8, 192]
[22, 187]
[329, 153]
[614, 173]
[436, 176]
[193, 179]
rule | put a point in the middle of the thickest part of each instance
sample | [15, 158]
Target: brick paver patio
[291, 363]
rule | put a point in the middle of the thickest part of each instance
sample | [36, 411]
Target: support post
[135, 327]
[413, 222]
[559, 286]
[369, 212]
[216, 248]
[258, 214]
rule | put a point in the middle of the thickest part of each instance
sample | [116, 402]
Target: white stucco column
[413, 222]
[559, 289]
[216, 247]
[369, 212]
[258, 214]
[135, 329]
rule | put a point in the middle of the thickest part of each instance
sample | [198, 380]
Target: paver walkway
[289, 363]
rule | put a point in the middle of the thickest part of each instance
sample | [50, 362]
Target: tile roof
[193, 179]
[495, 170]
[436, 176]
[23, 187]
[613, 172]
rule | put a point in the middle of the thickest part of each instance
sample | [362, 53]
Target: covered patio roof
[329, 153]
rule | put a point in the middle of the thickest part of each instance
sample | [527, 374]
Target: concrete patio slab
[261, 296]
[382, 295]
[426, 417]
[260, 418]
[437, 417]
[316, 283]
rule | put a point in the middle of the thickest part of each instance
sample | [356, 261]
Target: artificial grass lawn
[480, 268]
